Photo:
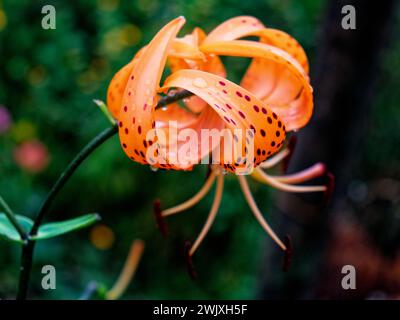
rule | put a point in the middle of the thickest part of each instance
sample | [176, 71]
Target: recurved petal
[185, 49]
[118, 83]
[286, 42]
[239, 109]
[140, 96]
[174, 112]
[273, 76]
[210, 63]
[234, 28]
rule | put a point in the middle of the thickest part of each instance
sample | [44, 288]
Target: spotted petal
[238, 108]
[234, 28]
[136, 117]
[275, 77]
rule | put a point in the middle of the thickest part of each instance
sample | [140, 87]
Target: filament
[195, 199]
[253, 206]
[275, 159]
[261, 176]
[211, 215]
[128, 271]
[312, 172]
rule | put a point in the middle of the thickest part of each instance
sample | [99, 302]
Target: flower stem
[179, 95]
[29, 247]
[75, 163]
[11, 216]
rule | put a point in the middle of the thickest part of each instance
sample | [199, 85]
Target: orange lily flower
[274, 97]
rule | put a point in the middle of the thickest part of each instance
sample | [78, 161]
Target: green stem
[29, 247]
[75, 163]
[11, 216]
[25, 270]
[179, 95]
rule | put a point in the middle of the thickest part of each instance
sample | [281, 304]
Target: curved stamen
[312, 172]
[253, 206]
[195, 199]
[128, 271]
[211, 215]
[261, 176]
[273, 161]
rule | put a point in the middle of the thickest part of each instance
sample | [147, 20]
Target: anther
[189, 261]
[330, 186]
[161, 224]
[287, 260]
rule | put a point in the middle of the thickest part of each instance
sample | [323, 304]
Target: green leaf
[55, 229]
[8, 231]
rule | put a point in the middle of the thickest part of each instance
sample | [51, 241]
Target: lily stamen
[315, 171]
[257, 213]
[211, 216]
[274, 160]
[194, 200]
[261, 176]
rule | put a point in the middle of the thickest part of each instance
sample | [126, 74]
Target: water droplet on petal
[171, 92]
[200, 83]
[150, 101]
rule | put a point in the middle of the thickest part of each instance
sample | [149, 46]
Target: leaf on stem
[54, 229]
[7, 230]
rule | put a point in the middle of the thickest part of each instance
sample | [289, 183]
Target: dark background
[48, 79]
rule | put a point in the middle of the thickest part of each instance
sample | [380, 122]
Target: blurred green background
[47, 82]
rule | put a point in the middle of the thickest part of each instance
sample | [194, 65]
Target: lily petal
[234, 28]
[140, 96]
[290, 97]
[209, 63]
[284, 41]
[238, 108]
